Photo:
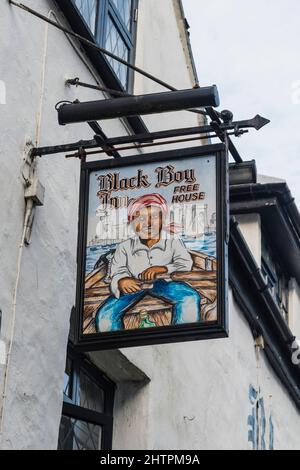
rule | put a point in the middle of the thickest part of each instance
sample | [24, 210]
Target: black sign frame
[165, 334]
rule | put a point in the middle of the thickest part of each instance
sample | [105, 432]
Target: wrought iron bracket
[214, 129]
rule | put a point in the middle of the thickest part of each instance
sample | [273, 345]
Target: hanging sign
[152, 249]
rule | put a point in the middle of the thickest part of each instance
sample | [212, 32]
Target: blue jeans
[186, 307]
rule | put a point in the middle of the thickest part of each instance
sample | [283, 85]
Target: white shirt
[132, 257]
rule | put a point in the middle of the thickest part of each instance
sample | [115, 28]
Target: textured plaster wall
[46, 290]
[250, 226]
[160, 40]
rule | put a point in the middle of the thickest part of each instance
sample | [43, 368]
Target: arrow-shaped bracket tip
[260, 122]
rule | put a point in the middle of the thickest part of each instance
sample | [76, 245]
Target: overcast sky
[251, 50]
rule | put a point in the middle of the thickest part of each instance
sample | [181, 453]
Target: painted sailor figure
[152, 252]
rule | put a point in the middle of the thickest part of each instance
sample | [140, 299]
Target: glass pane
[88, 9]
[68, 378]
[124, 9]
[115, 44]
[91, 396]
[78, 435]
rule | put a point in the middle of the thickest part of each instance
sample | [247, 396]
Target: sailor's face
[147, 222]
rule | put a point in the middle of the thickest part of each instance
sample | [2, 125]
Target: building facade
[240, 392]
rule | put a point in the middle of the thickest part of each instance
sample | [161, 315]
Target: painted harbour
[206, 244]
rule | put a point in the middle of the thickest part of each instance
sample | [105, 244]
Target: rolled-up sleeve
[181, 259]
[118, 269]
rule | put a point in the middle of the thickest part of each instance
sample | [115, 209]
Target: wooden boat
[150, 310]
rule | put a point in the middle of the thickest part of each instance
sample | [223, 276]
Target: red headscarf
[147, 200]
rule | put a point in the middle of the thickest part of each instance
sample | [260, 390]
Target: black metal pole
[100, 140]
[138, 105]
[77, 82]
[153, 144]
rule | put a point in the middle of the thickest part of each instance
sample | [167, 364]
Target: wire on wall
[31, 163]
[93, 45]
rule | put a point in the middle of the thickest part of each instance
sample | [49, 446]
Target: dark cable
[100, 49]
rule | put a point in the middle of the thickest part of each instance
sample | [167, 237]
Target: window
[88, 10]
[277, 279]
[87, 414]
[112, 24]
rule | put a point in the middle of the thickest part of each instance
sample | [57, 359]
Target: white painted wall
[46, 288]
[159, 51]
[294, 308]
[250, 226]
[198, 396]
[198, 393]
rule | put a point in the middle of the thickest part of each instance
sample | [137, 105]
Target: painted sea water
[205, 244]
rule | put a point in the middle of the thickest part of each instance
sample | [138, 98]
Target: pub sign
[152, 249]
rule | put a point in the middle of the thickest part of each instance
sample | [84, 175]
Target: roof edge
[252, 295]
[183, 27]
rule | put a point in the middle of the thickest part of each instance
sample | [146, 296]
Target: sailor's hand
[150, 273]
[129, 285]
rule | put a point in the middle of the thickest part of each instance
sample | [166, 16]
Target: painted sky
[204, 168]
[251, 50]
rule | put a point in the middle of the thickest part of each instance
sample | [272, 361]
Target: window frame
[105, 9]
[71, 407]
[109, 9]
[276, 276]
[106, 74]
[84, 20]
